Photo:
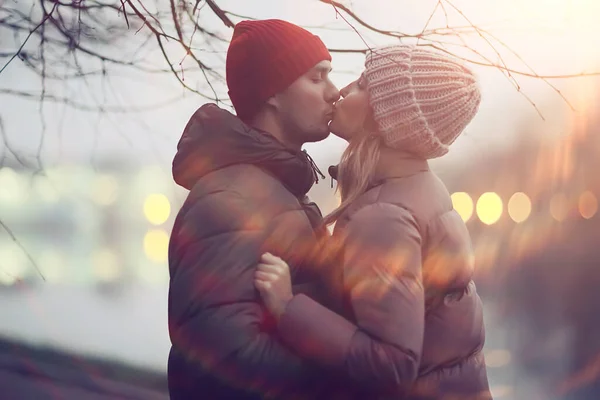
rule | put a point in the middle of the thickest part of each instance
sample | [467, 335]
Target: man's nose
[334, 93]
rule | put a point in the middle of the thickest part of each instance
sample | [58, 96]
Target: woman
[412, 325]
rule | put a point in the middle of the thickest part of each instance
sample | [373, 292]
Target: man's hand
[273, 281]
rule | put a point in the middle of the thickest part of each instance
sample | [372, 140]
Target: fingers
[263, 280]
[262, 286]
[264, 276]
[269, 258]
[269, 271]
[269, 268]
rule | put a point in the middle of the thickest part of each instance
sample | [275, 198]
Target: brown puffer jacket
[247, 196]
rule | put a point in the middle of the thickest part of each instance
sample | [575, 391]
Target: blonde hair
[356, 171]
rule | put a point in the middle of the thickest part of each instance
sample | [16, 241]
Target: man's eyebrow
[322, 68]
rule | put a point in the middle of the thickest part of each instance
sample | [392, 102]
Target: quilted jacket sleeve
[383, 282]
[215, 315]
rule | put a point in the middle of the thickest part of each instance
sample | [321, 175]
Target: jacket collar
[397, 164]
[215, 139]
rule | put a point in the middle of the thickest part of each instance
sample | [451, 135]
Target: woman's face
[352, 110]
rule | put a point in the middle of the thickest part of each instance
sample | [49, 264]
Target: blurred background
[94, 103]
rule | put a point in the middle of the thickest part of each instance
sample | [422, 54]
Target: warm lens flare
[157, 208]
[489, 208]
[156, 245]
[463, 204]
[588, 204]
[519, 207]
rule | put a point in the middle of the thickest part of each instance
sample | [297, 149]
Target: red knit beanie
[264, 58]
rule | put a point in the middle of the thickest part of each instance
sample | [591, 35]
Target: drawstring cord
[316, 171]
[333, 173]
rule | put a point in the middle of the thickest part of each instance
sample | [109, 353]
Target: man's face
[305, 108]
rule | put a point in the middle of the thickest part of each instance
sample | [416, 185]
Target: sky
[551, 36]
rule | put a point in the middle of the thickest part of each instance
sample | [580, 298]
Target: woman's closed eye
[362, 83]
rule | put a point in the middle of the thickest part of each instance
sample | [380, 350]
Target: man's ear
[274, 101]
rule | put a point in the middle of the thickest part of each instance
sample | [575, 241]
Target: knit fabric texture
[264, 58]
[421, 99]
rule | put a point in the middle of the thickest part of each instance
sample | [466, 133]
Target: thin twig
[480, 34]
[189, 52]
[117, 109]
[18, 243]
[220, 13]
[337, 5]
[28, 36]
[8, 147]
[437, 5]
[125, 13]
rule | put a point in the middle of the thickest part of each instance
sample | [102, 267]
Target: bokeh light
[156, 245]
[151, 179]
[105, 190]
[52, 265]
[519, 207]
[105, 265]
[157, 208]
[13, 188]
[45, 190]
[14, 264]
[588, 205]
[489, 208]
[463, 204]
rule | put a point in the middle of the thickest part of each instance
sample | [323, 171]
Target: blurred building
[83, 278]
[80, 226]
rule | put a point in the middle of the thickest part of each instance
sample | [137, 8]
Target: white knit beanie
[421, 99]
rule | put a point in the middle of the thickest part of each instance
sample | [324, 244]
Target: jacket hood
[214, 139]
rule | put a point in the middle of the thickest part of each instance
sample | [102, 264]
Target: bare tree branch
[220, 13]
[8, 147]
[42, 22]
[91, 42]
[23, 249]
[337, 5]
[115, 109]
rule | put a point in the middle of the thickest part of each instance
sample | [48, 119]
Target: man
[248, 180]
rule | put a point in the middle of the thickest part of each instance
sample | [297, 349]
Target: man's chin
[321, 136]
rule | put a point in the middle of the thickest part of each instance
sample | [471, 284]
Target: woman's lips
[330, 115]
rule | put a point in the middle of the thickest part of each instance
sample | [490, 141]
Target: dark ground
[28, 372]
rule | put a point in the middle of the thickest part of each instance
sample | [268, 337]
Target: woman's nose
[345, 90]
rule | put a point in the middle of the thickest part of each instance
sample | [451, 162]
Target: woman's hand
[273, 281]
